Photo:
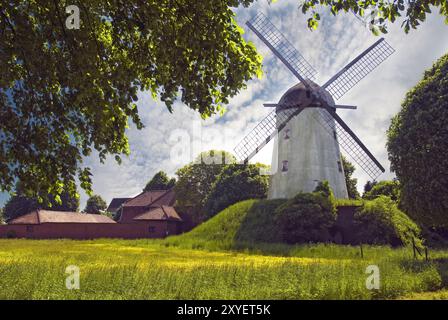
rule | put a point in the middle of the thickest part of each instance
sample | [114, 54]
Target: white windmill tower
[305, 125]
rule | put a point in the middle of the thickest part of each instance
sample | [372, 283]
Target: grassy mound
[267, 225]
[242, 224]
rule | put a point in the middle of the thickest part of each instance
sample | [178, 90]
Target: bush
[324, 187]
[308, 217]
[381, 222]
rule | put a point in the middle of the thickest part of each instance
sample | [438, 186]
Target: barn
[150, 214]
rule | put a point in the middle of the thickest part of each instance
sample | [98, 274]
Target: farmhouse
[115, 204]
[148, 215]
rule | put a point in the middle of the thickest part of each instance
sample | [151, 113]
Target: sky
[170, 141]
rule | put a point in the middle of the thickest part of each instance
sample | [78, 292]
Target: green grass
[434, 295]
[231, 256]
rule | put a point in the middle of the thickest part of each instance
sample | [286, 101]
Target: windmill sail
[357, 69]
[310, 95]
[264, 132]
[350, 143]
[281, 47]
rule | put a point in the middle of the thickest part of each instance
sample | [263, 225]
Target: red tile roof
[48, 216]
[152, 198]
[159, 213]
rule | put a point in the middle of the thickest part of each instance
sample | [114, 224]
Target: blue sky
[336, 42]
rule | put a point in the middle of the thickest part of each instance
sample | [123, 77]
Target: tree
[351, 182]
[417, 144]
[377, 13]
[196, 179]
[389, 188]
[65, 92]
[2, 218]
[20, 204]
[236, 183]
[160, 181]
[369, 185]
[95, 205]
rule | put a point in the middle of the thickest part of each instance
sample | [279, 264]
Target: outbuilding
[148, 215]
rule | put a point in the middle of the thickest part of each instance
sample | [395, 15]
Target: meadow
[215, 261]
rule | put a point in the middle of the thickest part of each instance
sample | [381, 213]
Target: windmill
[307, 130]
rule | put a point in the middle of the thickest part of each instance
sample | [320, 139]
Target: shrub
[308, 217]
[381, 222]
[324, 187]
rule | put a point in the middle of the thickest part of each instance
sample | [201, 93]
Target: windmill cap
[301, 95]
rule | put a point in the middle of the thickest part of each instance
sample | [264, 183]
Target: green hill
[250, 226]
[240, 225]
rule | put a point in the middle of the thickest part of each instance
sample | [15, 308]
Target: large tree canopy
[236, 182]
[377, 13]
[418, 147]
[65, 92]
[196, 179]
[20, 204]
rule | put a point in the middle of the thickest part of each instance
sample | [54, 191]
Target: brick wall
[144, 229]
[129, 213]
[344, 223]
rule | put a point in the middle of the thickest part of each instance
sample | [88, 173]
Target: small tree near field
[95, 205]
[160, 181]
